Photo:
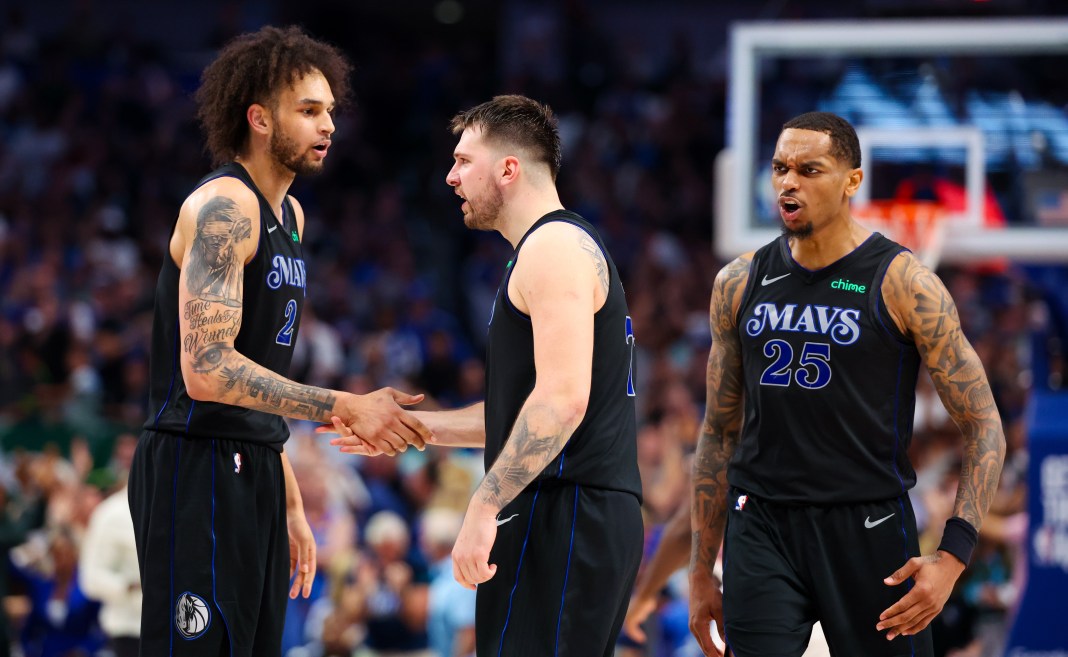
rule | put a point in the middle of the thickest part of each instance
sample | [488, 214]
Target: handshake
[376, 423]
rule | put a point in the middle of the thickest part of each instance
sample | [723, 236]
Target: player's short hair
[845, 147]
[517, 121]
[255, 68]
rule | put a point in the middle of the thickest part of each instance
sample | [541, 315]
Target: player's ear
[853, 180]
[510, 169]
[259, 119]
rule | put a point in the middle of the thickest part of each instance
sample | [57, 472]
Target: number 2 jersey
[273, 296]
[830, 381]
[603, 450]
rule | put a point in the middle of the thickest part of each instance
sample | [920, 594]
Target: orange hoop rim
[917, 225]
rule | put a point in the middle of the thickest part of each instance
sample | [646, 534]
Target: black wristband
[959, 539]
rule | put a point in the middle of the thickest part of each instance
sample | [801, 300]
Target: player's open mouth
[789, 208]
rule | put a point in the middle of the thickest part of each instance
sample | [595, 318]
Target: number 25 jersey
[829, 379]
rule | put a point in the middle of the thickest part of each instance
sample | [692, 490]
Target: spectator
[395, 590]
[62, 621]
[107, 572]
[451, 607]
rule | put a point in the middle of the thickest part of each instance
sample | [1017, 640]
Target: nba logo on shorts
[237, 462]
[740, 504]
[191, 615]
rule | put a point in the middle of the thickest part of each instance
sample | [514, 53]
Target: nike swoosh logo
[501, 522]
[769, 281]
[869, 524]
[271, 229]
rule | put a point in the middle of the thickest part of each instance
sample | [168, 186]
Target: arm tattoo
[246, 384]
[266, 391]
[594, 251]
[214, 272]
[537, 437]
[210, 326]
[722, 426]
[959, 378]
[215, 279]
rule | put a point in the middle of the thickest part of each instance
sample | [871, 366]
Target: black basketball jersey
[274, 289]
[830, 381]
[602, 452]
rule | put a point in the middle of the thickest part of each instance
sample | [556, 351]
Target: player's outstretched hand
[641, 607]
[934, 577]
[706, 605]
[376, 420]
[346, 440]
[470, 554]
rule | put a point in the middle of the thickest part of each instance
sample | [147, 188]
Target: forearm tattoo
[214, 275]
[960, 380]
[269, 392]
[722, 425]
[537, 437]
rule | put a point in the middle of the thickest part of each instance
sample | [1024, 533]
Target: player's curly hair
[517, 121]
[255, 68]
[845, 147]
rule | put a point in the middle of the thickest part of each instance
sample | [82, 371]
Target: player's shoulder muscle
[226, 199]
[728, 289]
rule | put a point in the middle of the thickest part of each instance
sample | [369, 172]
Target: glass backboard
[968, 113]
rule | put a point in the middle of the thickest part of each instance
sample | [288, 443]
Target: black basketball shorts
[566, 558]
[785, 567]
[212, 545]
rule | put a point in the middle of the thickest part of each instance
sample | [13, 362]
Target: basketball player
[220, 527]
[553, 535]
[822, 333]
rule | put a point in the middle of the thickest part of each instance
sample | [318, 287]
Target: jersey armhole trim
[515, 260]
[748, 291]
[504, 292]
[287, 210]
[877, 303]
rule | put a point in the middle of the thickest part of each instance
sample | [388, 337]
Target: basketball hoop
[918, 225]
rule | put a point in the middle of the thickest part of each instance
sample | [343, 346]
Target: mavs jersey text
[830, 380]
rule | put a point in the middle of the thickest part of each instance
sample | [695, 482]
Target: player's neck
[271, 178]
[828, 243]
[523, 211]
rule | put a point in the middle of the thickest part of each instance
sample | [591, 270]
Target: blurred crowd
[97, 150]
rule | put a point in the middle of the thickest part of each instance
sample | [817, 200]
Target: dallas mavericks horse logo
[191, 615]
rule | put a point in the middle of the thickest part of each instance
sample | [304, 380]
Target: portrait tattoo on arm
[722, 425]
[215, 272]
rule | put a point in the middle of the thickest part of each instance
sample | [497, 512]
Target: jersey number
[285, 336]
[630, 369]
[814, 365]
